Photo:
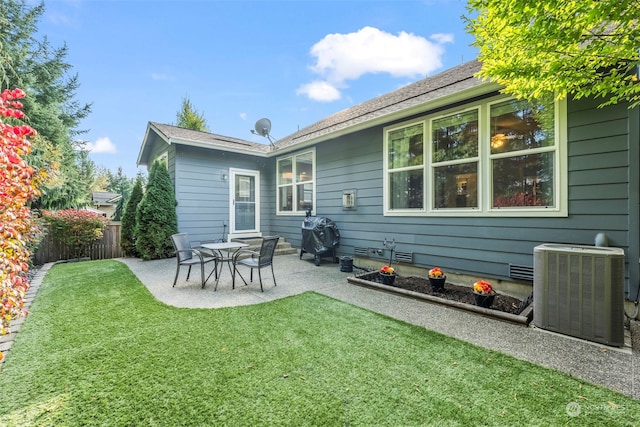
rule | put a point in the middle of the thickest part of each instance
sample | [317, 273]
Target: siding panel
[598, 179]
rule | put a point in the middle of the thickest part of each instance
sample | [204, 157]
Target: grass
[98, 349]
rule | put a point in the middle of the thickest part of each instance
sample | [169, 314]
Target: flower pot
[484, 300]
[437, 283]
[387, 279]
[346, 264]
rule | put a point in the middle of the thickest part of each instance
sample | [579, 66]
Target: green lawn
[97, 349]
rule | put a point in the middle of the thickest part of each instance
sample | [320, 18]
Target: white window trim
[484, 171]
[293, 156]
[386, 171]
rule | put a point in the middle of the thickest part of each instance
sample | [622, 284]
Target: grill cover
[319, 235]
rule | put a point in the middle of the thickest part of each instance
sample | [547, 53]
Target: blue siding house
[459, 175]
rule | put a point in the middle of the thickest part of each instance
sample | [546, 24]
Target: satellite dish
[263, 127]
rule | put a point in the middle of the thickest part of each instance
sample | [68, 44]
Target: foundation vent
[363, 252]
[405, 257]
[521, 272]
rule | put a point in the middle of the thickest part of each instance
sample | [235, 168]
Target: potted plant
[387, 275]
[437, 279]
[483, 293]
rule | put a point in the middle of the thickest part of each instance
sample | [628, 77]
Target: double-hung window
[296, 182]
[496, 157]
[522, 155]
[454, 160]
[406, 167]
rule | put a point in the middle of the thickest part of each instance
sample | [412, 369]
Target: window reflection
[456, 186]
[520, 125]
[523, 181]
[406, 147]
[455, 137]
[406, 190]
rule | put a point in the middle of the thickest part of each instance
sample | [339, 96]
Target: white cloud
[319, 91]
[162, 77]
[243, 116]
[442, 38]
[342, 57]
[101, 146]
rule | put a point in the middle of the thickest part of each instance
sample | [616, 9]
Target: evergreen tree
[156, 218]
[50, 106]
[127, 228]
[189, 118]
[122, 185]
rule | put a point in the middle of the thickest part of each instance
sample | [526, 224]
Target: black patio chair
[255, 260]
[188, 256]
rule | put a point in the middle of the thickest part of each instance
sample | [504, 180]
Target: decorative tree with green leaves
[156, 218]
[128, 224]
[570, 47]
[189, 118]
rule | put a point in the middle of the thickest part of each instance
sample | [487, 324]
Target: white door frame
[233, 173]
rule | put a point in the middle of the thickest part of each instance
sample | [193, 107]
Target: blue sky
[294, 62]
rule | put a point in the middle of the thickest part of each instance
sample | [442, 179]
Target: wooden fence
[108, 247]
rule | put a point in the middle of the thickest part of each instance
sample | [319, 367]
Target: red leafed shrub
[17, 227]
[75, 228]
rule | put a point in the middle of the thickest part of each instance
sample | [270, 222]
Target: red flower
[483, 287]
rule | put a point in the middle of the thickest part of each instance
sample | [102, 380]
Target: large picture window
[497, 157]
[296, 183]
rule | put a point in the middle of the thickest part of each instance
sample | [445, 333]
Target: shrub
[156, 218]
[17, 227]
[127, 237]
[76, 229]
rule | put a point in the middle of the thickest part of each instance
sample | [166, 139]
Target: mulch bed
[451, 292]
[457, 293]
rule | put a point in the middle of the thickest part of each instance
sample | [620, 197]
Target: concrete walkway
[615, 368]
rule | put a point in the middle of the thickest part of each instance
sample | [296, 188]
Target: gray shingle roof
[376, 110]
[443, 84]
[174, 133]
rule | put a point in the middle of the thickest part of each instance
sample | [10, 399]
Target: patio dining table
[224, 252]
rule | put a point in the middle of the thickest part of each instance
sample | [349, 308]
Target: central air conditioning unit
[579, 291]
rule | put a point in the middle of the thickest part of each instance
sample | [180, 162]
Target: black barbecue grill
[320, 237]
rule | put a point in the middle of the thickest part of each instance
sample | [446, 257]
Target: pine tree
[156, 218]
[30, 62]
[122, 185]
[127, 238]
[189, 118]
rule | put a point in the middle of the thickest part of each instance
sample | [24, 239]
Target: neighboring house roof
[96, 211]
[104, 198]
[413, 98]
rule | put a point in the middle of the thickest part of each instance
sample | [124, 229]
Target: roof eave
[478, 90]
[210, 145]
[144, 162]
